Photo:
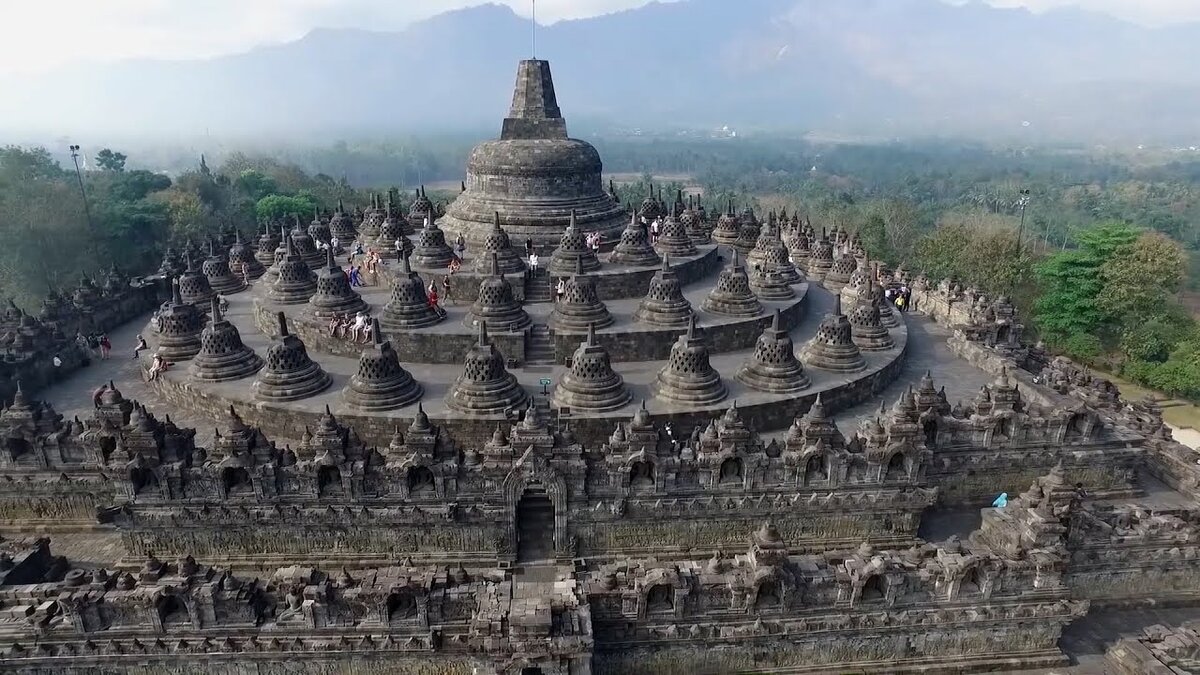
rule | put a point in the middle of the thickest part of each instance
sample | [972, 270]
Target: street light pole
[1023, 202]
[87, 209]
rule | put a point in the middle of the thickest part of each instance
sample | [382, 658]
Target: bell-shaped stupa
[304, 244]
[866, 329]
[334, 295]
[181, 323]
[573, 252]
[833, 348]
[380, 383]
[634, 247]
[243, 260]
[664, 305]
[193, 285]
[498, 242]
[222, 355]
[728, 227]
[732, 295]
[774, 368]
[409, 307]
[290, 374]
[591, 384]
[534, 175]
[673, 238]
[485, 386]
[579, 307]
[496, 306]
[689, 378]
[296, 282]
[341, 225]
[432, 251]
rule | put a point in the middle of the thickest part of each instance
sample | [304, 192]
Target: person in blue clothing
[1001, 501]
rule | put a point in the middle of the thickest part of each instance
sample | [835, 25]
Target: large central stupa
[534, 176]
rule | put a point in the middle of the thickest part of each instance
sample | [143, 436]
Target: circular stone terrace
[538, 354]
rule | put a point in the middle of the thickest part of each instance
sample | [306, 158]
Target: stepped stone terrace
[721, 451]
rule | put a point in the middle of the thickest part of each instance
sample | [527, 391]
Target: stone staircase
[537, 289]
[539, 346]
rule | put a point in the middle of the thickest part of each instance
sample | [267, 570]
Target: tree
[1141, 277]
[255, 184]
[108, 160]
[280, 207]
[1071, 281]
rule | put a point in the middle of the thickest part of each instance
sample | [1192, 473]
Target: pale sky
[41, 34]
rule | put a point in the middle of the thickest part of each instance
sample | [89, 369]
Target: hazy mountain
[883, 67]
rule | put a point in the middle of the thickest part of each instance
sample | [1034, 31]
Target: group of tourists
[900, 297]
[95, 344]
[357, 329]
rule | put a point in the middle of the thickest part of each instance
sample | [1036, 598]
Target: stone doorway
[535, 526]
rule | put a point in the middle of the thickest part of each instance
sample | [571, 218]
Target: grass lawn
[1176, 412]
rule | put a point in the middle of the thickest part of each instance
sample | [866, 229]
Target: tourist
[355, 277]
[560, 289]
[399, 249]
[222, 303]
[460, 245]
[529, 246]
[141, 344]
[360, 320]
[334, 322]
[98, 393]
[1001, 501]
[446, 290]
[334, 244]
[105, 346]
[654, 230]
[595, 242]
[433, 298]
[533, 263]
[93, 343]
[900, 302]
[158, 365]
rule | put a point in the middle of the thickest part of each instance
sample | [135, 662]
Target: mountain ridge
[889, 67]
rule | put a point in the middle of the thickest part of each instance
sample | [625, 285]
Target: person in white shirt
[533, 262]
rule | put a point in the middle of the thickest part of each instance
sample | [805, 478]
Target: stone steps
[538, 289]
[539, 347]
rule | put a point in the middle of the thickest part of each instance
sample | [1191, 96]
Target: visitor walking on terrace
[105, 346]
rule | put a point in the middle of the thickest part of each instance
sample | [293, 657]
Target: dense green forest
[1097, 249]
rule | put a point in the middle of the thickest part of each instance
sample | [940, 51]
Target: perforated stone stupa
[591, 384]
[580, 308]
[774, 367]
[689, 378]
[634, 247]
[496, 306]
[179, 337]
[534, 175]
[290, 375]
[485, 386]
[223, 356]
[295, 282]
[409, 305]
[732, 295]
[573, 252]
[193, 285]
[498, 242]
[381, 383]
[664, 304]
[833, 348]
[334, 295]
[432, 251]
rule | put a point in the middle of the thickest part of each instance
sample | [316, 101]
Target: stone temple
[694, 461]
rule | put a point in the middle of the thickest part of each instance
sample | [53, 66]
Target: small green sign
[545, 382]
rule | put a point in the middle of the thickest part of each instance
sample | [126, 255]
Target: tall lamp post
[1022, 203]
[87, 209]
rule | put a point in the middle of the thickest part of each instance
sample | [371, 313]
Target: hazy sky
[45, 33]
